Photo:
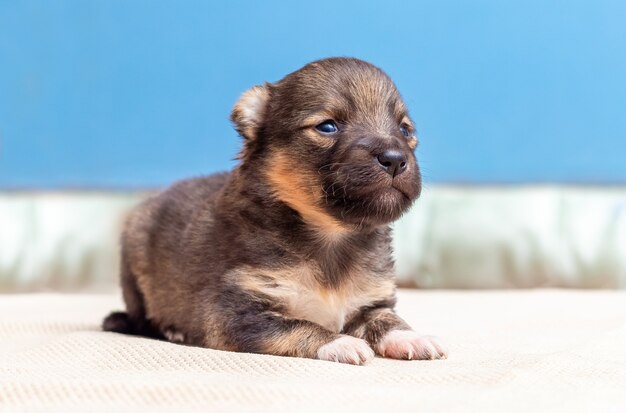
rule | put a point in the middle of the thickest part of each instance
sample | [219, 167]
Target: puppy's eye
[327, 127]
[405, 130]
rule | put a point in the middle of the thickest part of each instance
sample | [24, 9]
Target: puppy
[290, 253]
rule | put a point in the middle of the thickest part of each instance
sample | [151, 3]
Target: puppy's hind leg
[133, 321]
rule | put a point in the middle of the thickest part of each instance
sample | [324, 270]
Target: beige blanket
[510, 352]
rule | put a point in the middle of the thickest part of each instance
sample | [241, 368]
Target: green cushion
[454, 237]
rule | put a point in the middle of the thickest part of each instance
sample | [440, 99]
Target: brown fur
[291, 250]
[302, 192]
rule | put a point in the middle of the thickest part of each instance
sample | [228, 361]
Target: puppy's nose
[394, 162]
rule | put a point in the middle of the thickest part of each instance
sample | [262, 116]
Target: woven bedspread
[509, 352]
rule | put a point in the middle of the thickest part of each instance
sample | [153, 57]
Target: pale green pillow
[454, 237]
[506, 237]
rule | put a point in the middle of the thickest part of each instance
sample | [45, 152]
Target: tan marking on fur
[412, 140]
[301, 342]
[303, 297]
[325, 142]
[311, 122]
[400, 110]
[407, 122]
[302, 192]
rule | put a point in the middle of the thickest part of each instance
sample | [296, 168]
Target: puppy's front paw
[346, 349]
[409, 345]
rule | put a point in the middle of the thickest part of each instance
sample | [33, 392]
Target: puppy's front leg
[392, 337]
[269, 332]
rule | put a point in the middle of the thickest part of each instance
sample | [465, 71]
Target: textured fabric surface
[510, 352]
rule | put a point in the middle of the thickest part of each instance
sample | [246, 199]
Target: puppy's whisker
[332, 165]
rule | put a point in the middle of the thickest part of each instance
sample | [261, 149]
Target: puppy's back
[153, 241]
[156, 227]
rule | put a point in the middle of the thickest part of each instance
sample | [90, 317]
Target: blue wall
[137, 93]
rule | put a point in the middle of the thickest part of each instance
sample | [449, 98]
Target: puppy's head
[334, 141]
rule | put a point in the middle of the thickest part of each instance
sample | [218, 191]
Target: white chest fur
[305, 298]
[328, 308]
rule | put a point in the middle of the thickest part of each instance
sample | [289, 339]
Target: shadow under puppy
[290, 253]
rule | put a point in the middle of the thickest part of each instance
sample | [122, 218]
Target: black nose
[394, 162]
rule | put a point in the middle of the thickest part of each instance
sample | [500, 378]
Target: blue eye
[405, 130]
[327, 127]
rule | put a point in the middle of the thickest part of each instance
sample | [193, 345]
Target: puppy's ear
[248, 115]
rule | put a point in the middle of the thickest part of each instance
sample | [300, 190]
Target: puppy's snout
[392, 161]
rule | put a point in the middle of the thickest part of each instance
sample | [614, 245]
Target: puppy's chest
[330, 309]
[303, 297]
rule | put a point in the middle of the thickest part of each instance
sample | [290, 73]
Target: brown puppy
[290, 253]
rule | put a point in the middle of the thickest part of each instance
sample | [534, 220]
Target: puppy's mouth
[375, 202]
[393, 195]
[399, 189]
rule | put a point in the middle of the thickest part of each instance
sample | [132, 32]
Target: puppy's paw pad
[346, 349]
[409, 345]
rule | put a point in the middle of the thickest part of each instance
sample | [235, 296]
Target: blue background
[138, 93]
